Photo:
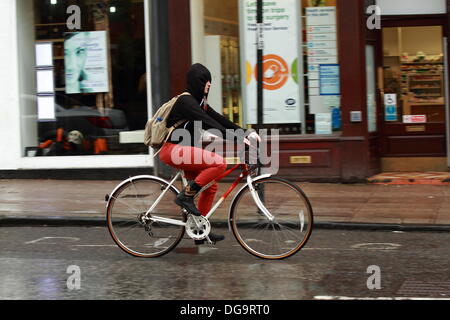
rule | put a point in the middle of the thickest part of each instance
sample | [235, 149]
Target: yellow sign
[415, 129]
[300, 160]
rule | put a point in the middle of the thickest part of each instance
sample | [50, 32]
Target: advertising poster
[282, 38]
[86, 62]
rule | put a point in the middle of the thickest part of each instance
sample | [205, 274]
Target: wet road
[34, 262]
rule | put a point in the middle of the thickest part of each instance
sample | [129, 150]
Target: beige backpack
[156, 132]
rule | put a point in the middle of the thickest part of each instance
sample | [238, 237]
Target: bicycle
[262, 223]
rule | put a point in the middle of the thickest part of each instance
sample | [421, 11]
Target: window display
[316, 98]
[89, 81]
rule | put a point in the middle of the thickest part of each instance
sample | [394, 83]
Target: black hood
[197, 77]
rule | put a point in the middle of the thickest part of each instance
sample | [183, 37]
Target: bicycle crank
[198, 228]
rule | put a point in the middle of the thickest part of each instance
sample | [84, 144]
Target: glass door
[414, 122]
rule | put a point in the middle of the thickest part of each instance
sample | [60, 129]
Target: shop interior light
[53, 2]
[112, 9]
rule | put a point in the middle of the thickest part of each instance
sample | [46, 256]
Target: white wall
[393, 7]
[197, 31]
[27, 81]
[17, 77]
[9, 92]
[213, 62]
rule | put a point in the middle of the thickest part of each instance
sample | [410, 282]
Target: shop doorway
[414, 86]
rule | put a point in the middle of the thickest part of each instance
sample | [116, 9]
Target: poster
[330, 84]
[283, 97]
[323, 123]
[86, 62]
[322, 60]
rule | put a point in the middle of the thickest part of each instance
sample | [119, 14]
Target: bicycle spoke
[280, 238]
[130, 234]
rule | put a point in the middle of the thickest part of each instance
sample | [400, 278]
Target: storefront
[414, 80]
[382, 105]
[349, 101]
[79, 84]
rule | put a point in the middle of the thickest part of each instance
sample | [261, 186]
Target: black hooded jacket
[191, 108]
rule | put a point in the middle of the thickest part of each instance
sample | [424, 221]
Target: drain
[424, 288]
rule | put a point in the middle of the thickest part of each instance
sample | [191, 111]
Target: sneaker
[213, 237]
[188, 204]
[186, 199]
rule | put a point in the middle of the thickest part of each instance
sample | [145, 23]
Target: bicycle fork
[258, 201]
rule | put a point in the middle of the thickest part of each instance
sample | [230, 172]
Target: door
[413, 126]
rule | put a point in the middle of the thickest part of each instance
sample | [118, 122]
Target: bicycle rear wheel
[125, 211]
[278, 239]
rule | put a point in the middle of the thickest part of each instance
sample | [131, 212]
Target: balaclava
[197, 77]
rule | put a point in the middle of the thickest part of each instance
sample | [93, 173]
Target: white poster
[86, 62]
[46, 107]
[322, 51]
[45, 81]
[282, 83]
[323, 123]
[44, 55]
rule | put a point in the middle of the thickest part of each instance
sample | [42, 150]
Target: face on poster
[281, 83]
[86, 66]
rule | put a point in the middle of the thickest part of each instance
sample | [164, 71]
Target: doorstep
[411, 178]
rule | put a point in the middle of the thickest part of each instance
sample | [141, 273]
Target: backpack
[156, 132]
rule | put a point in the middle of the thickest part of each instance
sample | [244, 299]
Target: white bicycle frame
[249, 183]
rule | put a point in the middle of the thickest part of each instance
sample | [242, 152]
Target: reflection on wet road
[34, 264]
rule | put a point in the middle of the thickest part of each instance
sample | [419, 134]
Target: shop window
[312, 106]
[414, 81]
[91, 88]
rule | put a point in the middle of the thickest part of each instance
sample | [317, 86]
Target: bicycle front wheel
[135, 235]
[286, 234]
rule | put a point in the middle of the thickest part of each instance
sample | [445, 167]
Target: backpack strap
[171, 130]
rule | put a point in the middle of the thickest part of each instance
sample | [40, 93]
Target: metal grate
[425, 288]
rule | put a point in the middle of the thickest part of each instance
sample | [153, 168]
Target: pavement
[336, 206]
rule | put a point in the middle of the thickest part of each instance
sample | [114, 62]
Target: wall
[390, 7]
[426, 39]
[27, 83]
[9, 104]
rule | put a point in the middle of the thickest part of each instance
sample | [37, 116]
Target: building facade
[350, 100]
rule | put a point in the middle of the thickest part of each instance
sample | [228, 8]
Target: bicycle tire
[240, 227]
[157, 184]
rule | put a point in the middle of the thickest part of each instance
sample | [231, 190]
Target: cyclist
[192, 108]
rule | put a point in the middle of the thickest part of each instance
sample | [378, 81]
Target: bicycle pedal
[200, 242]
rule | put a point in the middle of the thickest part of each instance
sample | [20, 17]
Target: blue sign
[390, 107]
[330, 82]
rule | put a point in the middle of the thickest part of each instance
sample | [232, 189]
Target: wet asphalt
[35, 263]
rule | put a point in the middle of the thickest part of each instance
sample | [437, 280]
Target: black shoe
[213, 237]
[186, 198]
[188, 204]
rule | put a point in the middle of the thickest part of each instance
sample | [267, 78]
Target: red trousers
[199, 165]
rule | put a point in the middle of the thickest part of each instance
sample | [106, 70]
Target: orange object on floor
[411, 178]
[46, 144]
[100, 146]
